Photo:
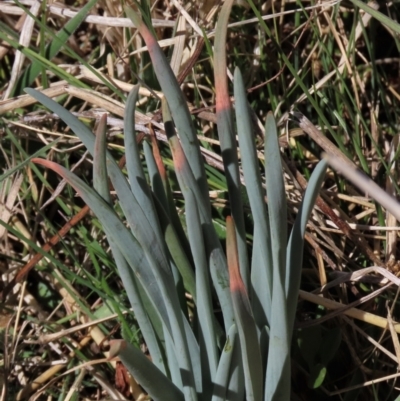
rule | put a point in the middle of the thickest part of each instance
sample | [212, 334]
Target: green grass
[282, 59]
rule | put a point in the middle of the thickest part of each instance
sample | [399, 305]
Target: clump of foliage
[248, 353]
[325, 60]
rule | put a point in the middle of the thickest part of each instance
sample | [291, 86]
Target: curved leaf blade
[156, 384]
[127, 244]
[295, 245]
[221, 380]
[100, 184]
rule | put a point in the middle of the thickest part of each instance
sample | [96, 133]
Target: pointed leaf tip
[116, 346]
[49, 164]
[43, 162]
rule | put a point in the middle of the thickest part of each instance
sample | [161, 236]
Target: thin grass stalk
[27, 160]
[43, 61]
[384, 19]
[100, 176]
[59, 40]
[158, 183]
[298, 79]
[364, 183]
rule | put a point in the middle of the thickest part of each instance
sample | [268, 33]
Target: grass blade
[100, 176]
[35, 57]
[169, 206]
[163, 295]
[143, 231]
[143, 194]
[28, 159]
[53, 48]
[364, 183]
[139, 307]
[378, 15]
[157, 178]
[299, 81]
[176, 250]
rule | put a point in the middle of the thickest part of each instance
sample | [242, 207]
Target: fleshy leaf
[226, 133]
[247, 330]
[156, 384]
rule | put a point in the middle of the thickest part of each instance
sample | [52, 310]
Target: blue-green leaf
[227, 138]
[261, 272]
[156, 384]
[277, 385]
[247, 329]
[221, 380]
[177, 103]
[296, 241]
[207, 336]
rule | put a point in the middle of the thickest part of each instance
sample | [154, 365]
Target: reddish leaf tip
[116, 346]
